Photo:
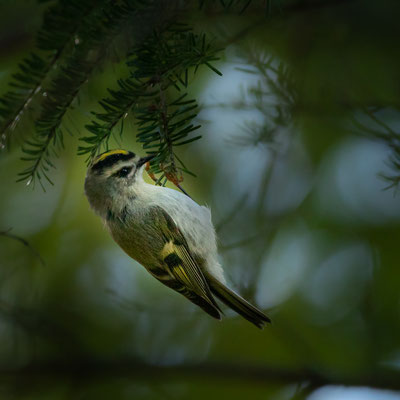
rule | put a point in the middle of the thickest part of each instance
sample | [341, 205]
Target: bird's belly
[141, 246]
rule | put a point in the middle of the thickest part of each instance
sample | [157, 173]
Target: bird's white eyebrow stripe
[116, 167]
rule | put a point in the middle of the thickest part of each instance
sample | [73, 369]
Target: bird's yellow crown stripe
[103, 156]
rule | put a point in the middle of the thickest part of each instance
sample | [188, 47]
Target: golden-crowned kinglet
[164, 230]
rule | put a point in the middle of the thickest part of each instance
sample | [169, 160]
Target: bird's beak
[144, 160]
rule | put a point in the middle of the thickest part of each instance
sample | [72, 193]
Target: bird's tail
[238, 303]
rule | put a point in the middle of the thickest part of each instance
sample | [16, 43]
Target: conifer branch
[384, 132]
[277, 87]
[24, 242]
[161, 67]
[100, 28]
[61, 23]
[117, 108]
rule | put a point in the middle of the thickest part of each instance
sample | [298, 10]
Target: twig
[12, 122]
[24, 242]
[379, 122]
[243, 242]
[183, 190]
[231, 214]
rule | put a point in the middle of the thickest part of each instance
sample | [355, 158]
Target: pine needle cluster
[71, 46]
[155, 93]
[100, 25]
[74, 42]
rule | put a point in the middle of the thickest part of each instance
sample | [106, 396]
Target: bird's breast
[133, 235]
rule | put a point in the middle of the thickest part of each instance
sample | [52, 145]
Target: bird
[164, 230]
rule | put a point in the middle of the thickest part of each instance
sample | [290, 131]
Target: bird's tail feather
[238, 303]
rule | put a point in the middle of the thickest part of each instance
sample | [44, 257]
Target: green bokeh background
[305, 226]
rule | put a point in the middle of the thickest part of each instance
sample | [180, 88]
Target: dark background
[292, 163]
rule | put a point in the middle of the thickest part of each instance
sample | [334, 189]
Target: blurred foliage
[299, 138]
[161, 58]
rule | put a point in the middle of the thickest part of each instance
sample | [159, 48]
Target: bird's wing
[185, 275]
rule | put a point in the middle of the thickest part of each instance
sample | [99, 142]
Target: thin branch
[243, 242]
[164, 126]
[183, 190]
[17, 115]
[379, 122]
[232, 213]
[24, 242]
[167, 137]
[13, 120]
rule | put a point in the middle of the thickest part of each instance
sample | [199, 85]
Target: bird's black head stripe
[111, 160]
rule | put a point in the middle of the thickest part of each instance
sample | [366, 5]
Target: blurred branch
[266, 181]
[243, 242]
[134, 369]
[381, 130]
[232, 213]
[28, 82]
[24, 242]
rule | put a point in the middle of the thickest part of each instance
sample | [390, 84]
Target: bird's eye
[123, 172]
